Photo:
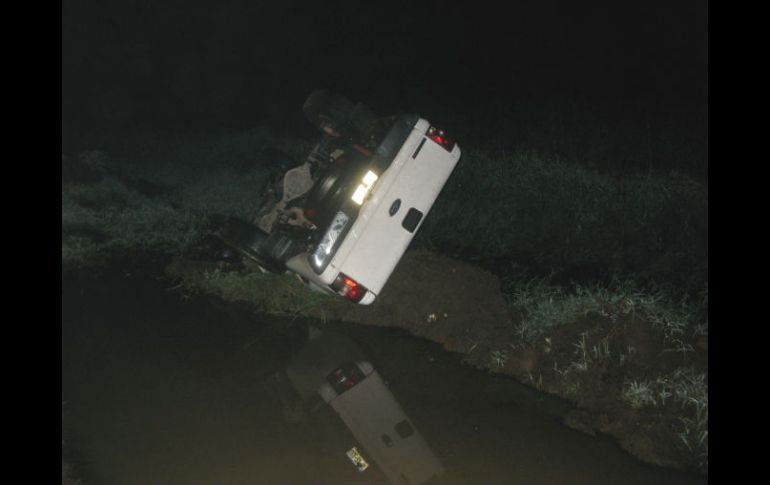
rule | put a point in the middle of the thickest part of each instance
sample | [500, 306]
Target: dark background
[618, 85]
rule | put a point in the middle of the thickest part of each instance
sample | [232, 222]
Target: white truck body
[389, 218]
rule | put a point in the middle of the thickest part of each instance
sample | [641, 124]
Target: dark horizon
[200, 65]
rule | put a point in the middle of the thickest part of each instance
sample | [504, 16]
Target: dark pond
[160, 389]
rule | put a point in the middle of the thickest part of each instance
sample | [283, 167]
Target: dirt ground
[462, 307]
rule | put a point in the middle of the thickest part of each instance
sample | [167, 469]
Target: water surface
[159, 389]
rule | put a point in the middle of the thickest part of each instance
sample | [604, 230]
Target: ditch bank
[590, 362]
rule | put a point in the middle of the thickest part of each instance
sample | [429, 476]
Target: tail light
[348, 287]
[345, 377]
[441, 138]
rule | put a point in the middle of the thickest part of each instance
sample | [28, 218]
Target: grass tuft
[275, 294]
[545, 305]
[689, 390]
[546, 215]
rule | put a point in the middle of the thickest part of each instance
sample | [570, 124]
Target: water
[158, 389]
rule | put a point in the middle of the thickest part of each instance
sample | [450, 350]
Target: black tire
[326, 108]
[364, 121]
[330, 193]
[212, 248]
[328, 184]
[269, 250]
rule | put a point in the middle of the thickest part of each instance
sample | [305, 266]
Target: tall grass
[102, 219]
[195, 179]
[276, 294]
[544, 305]
[545, 215]
[689, 391]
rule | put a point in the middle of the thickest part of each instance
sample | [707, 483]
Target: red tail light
[349, 288]
[345, 377]
[441, 138]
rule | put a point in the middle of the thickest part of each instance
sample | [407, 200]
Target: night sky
[486, 69]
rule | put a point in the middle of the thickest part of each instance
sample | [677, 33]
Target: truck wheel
[269, 250]
[328, 194]
[327, 111]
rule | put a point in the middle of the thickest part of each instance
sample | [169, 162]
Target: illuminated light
[348, 287]
[370, 178]
[352, 290]
[440, 137]
[366, 185]
[359, 194]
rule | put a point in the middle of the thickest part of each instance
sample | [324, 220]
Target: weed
[602, 350]
[544, 214]
[581, 350]
[276, 294]
[639, 394]
[545, 305]
[538, 383]
[688, 389]
[561, 373]
[680, 347]
[498, 358]
[701, 329]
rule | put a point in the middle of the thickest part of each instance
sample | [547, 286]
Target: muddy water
[158, 389]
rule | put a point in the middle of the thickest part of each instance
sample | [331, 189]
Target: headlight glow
[364, 187]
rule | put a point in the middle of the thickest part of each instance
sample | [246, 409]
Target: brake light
[349, 288]
[345, 377]
[441, 138]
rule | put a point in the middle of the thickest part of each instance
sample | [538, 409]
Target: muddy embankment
[463, 308]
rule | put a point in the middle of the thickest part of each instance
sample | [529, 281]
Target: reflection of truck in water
[333, 368]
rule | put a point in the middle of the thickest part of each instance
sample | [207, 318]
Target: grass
[687, 389]
[276, 294]
[196, 179]
[498, 358]
[106, 218]
[545, 305]
[546, 215]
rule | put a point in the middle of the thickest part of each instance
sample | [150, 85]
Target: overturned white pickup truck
[343, 219]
